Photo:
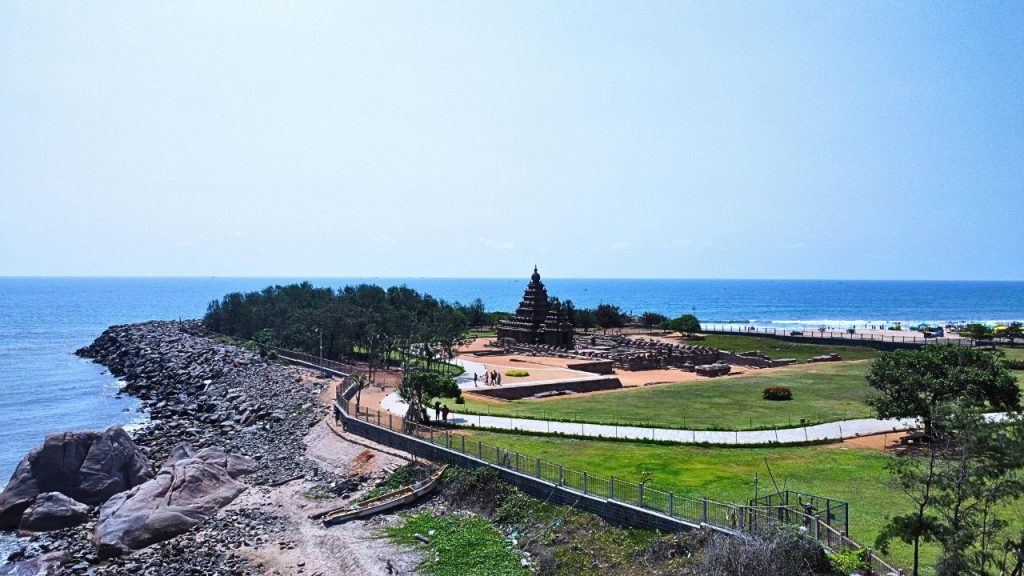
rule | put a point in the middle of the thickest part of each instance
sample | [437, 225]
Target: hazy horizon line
[374, 277]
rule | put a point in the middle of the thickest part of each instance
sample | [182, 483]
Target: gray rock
[53, 511]
[87, 466]
[189, 488]
[42, 565]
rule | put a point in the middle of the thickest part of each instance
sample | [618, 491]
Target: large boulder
[53, 511]
[89, 467]
[189, 488]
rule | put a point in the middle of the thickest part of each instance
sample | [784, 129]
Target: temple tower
[537, 320]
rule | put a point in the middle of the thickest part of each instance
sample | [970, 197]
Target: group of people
[440, 412]
[491, 378]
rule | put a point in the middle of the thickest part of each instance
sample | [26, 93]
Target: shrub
[850, 561]
[516, 372]
[777, 393]
[460, 400]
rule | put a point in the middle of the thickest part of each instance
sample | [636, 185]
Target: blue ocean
[45, 388]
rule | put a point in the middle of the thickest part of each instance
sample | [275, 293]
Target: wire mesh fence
[758, 516]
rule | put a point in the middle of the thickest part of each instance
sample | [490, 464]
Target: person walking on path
[444, 413]
[437, 410]
[498, 374]
[474, 379]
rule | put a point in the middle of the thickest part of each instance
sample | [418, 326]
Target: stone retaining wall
[526, 390]
[595, 366]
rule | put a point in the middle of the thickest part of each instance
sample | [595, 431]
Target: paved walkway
[829, 431]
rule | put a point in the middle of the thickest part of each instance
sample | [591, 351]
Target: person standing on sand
[444, 413]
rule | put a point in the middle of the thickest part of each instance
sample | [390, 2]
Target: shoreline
[212, 395]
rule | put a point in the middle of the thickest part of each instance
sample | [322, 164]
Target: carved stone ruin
[537, 321]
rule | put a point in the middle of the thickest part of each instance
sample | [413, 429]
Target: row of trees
[365, 321]
[966, 480]
[1013, 332]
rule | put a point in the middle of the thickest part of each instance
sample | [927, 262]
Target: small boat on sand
[381, 503]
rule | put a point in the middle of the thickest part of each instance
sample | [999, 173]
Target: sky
[868, 139]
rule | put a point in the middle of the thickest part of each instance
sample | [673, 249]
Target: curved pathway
[829, 431]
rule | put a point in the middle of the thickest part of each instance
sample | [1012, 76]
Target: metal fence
[831, 334]
[834, 513]
[729, 517]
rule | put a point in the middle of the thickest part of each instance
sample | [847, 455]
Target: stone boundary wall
[525, 390]
[826, 341]
[595, 366]
[617, 513]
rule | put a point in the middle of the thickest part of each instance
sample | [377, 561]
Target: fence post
[640, 496]
[431, 428]
[561, 475]
[704, 514]
[871, 568]
[585, 478]
[391, 421]
[517, 461]
[538, 467]
[611, 488]
[463, 444]
[671, 504]
[817, 520]
[480, 449]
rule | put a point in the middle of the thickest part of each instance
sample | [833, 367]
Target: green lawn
[777, 348]
[857, 476]
[821, 393]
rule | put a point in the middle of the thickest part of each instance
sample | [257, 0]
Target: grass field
[821, 393]
[784, 349]
[857, 476]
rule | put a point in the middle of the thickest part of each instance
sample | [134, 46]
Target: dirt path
[298, 545]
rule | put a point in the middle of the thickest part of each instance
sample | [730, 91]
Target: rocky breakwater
[219, 415]
[205, 393]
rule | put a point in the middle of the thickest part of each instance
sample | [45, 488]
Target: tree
[475, 313]
[957, 486]
[917, 477]
[579, 317]
[685, 324]
[420, 387]
[978, 332]
[652, 319]
[1013, 331]
[609, 316]
[916, 383]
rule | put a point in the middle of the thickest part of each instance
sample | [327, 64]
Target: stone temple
[537, 320]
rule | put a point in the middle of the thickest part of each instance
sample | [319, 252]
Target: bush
[850, 561]
[516, 372]
[777, 393]
[460, 400]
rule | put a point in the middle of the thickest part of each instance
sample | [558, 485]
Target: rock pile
[205, 393]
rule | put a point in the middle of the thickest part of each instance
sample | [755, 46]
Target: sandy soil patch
[888, 442]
